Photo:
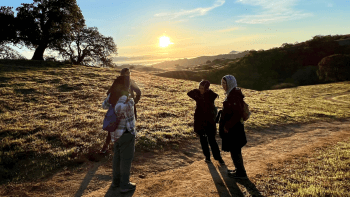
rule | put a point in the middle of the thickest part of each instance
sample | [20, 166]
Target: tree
[45, 23]
[7, 26]
[86, 46]
[7, 52]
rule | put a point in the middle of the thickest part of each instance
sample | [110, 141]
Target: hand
[225, 130]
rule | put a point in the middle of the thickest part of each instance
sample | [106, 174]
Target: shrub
[335, 68]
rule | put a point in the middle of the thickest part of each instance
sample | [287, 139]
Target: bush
[334, 68]
[306, 76]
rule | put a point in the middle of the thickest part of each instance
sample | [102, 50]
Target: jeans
[204, 139]
[124, 149]
[236, 155]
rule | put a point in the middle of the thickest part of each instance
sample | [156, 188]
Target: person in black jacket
[231, 128]
[124, 80]
[204, 120]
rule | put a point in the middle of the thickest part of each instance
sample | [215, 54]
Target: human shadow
[230, 189]
[88, 177]
[251, 188]
[116, 192]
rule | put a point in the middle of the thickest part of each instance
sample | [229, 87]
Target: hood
[231, 83]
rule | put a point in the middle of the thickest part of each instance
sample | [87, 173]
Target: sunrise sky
[209, 27]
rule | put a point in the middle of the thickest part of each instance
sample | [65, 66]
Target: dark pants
[204, 139]
[124, 150]
[236, 155]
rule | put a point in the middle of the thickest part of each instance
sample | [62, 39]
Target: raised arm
[137, 90]
[193, 94]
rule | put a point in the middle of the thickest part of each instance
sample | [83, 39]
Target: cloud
[228, 30]
[272, 11]
[192, 13]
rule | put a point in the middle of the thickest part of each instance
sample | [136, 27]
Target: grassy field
[325, 173]
[51, 115]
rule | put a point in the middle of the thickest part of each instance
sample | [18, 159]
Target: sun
[164, 41]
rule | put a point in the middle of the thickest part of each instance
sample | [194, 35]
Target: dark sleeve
[137, 90]
[193, 94]
[213, 96]
[235, 106]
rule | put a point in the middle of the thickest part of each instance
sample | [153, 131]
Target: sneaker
[235, 176]
[207, 160]
[104, 149]
[231, 171]
[130, 187]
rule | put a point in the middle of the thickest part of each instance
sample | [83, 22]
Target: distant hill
[140, 67]
[170, 65]
[234, 52]
[290, 64]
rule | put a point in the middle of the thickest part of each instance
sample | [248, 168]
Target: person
[204, 120]
[132, 87]
[124, 142]
[231, 127]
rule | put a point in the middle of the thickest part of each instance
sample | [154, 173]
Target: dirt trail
[265, 148]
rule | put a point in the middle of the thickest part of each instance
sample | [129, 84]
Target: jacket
[231, 120]
[205, 113]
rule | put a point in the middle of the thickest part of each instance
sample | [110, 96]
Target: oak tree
[45, 23]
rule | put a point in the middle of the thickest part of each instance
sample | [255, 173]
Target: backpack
[246, 112]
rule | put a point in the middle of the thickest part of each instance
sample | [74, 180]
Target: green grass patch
[324, 173]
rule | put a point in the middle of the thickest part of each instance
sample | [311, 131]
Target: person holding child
[124, 140]
[204, 120]
[231, 127]
[131, 86]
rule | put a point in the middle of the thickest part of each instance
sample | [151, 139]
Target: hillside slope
[51, 115]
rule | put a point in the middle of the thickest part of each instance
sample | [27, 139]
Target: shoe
[104, 149]
[207, 160]
[235, 176]
[231, 171]
[130, 187]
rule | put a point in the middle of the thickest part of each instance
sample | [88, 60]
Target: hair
[124, 70]
[205, 83]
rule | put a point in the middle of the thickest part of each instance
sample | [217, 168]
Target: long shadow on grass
[25, 65]
[228, 189]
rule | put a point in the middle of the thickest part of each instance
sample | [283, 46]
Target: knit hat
[205, 83]
[231, 83]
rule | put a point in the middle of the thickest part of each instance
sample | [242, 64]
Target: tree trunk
[39, 52]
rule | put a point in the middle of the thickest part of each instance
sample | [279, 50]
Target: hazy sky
[210, 27]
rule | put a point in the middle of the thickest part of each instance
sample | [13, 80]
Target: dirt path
[265, 148]
[181, 171]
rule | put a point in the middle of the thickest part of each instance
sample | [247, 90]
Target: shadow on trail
[224, 187]
[88, 177]
[227, 186]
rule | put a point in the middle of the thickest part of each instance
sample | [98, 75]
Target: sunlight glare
[164, 41]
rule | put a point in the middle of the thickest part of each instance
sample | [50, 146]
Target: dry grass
[325, 173]
[52, 117]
